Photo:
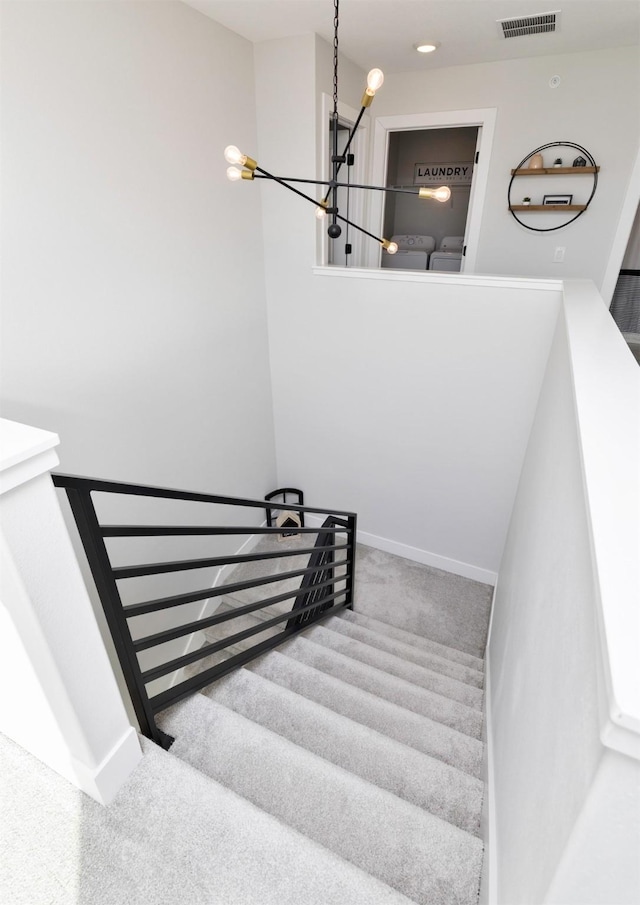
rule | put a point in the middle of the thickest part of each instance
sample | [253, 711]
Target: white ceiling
[382, 32]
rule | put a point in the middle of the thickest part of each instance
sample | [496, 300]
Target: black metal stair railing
[323, 585]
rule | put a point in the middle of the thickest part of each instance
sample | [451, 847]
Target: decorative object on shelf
[328, 205]
[536, 162]
[557, 162]
[564, 205]
[579, 162]
[526, 201]
[557, 199]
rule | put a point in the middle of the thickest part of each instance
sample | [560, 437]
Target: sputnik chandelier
[244, 167]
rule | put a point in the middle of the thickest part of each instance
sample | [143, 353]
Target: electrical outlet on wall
[558, 255]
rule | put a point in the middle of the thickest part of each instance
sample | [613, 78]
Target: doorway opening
[430, 235]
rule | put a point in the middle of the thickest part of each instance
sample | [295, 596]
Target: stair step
[258, 859]
[391, 688]
[420, 855]
[392, 631]
[171, 835]
[428, 783]
[395, 666]
[405, 651]
[411, 729]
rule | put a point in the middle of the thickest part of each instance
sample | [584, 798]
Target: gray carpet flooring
[343, 767]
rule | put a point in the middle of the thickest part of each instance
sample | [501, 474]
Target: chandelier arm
[265, 175]
[343, 185]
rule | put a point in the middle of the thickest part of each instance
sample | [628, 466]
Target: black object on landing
[322, 590]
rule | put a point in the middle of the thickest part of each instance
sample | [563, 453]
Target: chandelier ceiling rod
[250, 169]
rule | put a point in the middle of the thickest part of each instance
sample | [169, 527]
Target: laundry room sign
[443, 173]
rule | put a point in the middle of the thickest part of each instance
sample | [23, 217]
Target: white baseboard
[488, 826]
[105, 781]
[210, 605]
[466, 570]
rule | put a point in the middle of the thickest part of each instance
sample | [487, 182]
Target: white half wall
[564, 642]
[59, 697]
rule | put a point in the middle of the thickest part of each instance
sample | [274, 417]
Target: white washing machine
[412, 254]
[449, 255]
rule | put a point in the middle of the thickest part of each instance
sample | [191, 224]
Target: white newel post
[59, 697]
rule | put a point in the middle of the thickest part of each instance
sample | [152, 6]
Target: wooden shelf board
[555, 171]
[547, 207]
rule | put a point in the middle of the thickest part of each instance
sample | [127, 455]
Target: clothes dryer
[449, 255]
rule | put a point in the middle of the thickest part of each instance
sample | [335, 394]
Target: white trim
[435, 277]
[196, 639]
[105, 781]
[359, 149]
[606, 393]
[27, 452]
[415, 554]
[488, 820]
[466, 570]
[621, 238]
[484, 118]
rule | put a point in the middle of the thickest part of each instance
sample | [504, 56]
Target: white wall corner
[65, 707]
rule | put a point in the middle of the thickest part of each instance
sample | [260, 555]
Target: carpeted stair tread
[395, 666]
[435, 739]
[428, 783]
[391, 688]
[420, 855]
[419, 641]
[405, 651]
[171, 835]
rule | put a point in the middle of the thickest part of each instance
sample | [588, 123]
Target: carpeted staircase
[361, 739]
[342, 768]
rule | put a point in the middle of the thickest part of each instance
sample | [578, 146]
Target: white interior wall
[134, 317]
[631, 260]
[133, 325]
[594, 106]
[365, 417]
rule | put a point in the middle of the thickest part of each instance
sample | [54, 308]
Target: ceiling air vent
[529, 25]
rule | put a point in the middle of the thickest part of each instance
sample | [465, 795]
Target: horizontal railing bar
[79, 482]
[193, 530]
[184, 565]
[217, 618]
[158, 671]
[163, 603]
[179, 692]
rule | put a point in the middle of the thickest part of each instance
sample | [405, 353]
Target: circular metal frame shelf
[580, 209]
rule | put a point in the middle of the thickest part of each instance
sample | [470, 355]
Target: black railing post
[98, 558]
[351, 571]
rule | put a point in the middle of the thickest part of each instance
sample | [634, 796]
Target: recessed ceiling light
[426, 46]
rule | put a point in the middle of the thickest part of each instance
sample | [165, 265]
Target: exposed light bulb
[443, 193]
[321, 212]
[234, 174]
[234, 155]
[392, 248]
[374, 81]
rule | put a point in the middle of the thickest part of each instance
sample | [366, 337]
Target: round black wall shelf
[578, 209]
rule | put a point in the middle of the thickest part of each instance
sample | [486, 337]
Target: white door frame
[358, 149]
[484, 118]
